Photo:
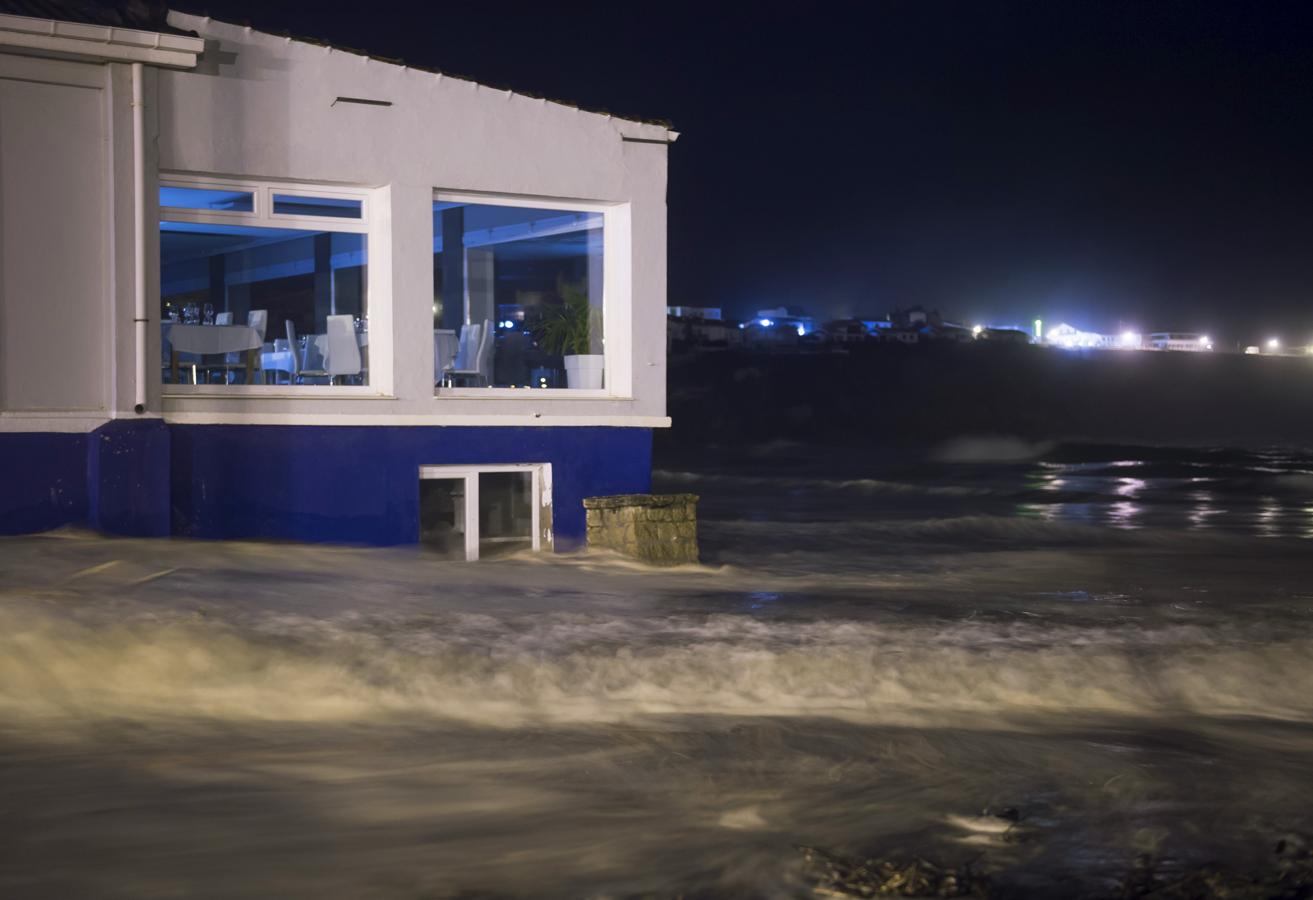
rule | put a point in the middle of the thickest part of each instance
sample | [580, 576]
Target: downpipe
[140, 319]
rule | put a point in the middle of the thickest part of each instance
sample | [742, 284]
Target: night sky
[1116, 165]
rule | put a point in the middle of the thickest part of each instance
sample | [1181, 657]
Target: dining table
[204, 340]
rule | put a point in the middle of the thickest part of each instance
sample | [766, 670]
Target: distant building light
[1273, 344]
[766, 323]
[1131, 340]
[1252, 350]
[801, 331]
[976, 329]
[1039, 329]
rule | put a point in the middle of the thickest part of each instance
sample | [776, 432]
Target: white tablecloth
[211, 338]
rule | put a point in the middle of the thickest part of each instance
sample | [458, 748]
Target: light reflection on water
[867, 661]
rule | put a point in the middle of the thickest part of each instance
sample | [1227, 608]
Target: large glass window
[517, 296]
[247, 300]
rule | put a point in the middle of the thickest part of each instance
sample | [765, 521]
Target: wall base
[361, 484]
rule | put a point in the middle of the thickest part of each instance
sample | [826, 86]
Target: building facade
[257, 287]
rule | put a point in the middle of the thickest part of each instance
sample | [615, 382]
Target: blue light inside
[205, 198]
[335, 207]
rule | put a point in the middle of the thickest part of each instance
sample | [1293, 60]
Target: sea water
[1056, 665]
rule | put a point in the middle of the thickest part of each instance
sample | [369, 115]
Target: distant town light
[1131, 340]
[801, 331]
[976, 329]
[1273, 344]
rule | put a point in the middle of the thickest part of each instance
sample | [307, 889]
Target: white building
[710, 313]
[387, 253]
[1180, 341]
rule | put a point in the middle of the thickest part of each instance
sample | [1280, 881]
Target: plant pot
[585, 372]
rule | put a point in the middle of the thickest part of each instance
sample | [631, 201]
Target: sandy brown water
[1114, 651]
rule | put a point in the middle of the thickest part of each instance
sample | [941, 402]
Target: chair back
[291, 345]
[259, 320]
[223, 318]
[343, 355]
[483, 362]
[442, 361]
[468, 349]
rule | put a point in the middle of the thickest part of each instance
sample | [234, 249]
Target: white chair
[343, 357]
[311, 368]
[477, 366]
[445, 347]
[467, 346]
[259, 320]
[284, 356]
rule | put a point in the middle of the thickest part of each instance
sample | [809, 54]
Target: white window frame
[541, 508]
[377, 275]
[617, 298]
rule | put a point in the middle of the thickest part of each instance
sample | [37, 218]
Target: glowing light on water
[1122, 515]
[1130, 487]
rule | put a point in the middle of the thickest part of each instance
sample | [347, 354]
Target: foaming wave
[587, 668]
[846, 485]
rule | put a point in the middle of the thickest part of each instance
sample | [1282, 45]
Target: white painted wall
[262, 106]
[56, 291]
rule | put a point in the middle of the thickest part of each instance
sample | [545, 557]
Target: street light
[1273, 344]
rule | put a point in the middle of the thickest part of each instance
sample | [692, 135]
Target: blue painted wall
[361, 484]
[43, 481]
[128, 478]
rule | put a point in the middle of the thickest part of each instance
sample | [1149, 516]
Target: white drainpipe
[139, 319]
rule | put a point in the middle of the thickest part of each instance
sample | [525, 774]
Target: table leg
[250, 367]
[173, 362]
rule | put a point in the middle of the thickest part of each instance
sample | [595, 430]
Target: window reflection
[517, 296]
[288, 305]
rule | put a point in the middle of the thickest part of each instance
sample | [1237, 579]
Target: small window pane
[333, 207]
[205, 198]
[442, 515]
[505, 512]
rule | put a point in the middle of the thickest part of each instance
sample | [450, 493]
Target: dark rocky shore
[1288, 875]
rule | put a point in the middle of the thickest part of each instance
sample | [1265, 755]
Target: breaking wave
[564, 668]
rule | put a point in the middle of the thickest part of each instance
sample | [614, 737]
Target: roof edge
[317, 42]
[102, 42]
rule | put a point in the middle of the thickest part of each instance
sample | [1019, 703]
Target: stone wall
[656, 528]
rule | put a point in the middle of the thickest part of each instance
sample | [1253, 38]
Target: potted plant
[569, 332]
